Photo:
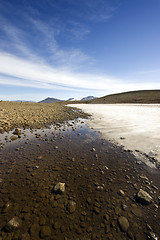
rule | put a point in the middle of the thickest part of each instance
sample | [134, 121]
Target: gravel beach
[66, 182]
[34, 115]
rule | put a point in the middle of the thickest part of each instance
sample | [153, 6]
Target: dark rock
[57, 225]
[96, 210]
[25, 236]
[89, 201]
[45, 231]
[34, 231]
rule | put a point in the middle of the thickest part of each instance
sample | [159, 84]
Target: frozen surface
[135, 126]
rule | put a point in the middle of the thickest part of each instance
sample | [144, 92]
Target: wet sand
[101, 182]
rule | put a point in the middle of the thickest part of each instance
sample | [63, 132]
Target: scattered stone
[2, 130]
[6, 207]
[123, 223]
[13, 224]
[121, 192]
[57, 225]
[143, 197]
[45, 231]
[152, 236]
[106, 217]
[59, 188]
[17, 131]
[79, 231]
[155, 187]
[89, 201]
[99, 188]
[139, 162]
[26, 209]
[25, 236]
[96, 210]
[13, 138]
[34, 231]
[105, 167]
[137, 212]
[124, 207]
[83, 213]
[71, 206]
[42, 221]
[89, 229]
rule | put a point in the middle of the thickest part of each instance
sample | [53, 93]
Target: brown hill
[143, 96]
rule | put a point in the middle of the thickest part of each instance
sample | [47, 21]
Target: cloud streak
[20, 72]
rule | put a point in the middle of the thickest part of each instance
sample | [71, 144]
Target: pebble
[13, 224]
[89, 201]
[13, 138]
[34, 231]
[57, 225]
[143, 197]
[25, 236]
[123, 223]
[121, 192]
[59, 188]
[6, 207]
[17, 131]
[71, 206]
[45, 231]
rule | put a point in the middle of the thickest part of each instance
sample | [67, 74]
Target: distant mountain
[71, 99]
[23, 101]
[142, 96]
[88, 98]
[50, 100]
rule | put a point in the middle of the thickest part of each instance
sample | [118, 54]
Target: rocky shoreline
[66, 182]
[34, 115]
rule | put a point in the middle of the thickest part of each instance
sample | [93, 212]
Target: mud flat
[103, 191]
[135, 126]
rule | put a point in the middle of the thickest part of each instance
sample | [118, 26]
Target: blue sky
[76, 48]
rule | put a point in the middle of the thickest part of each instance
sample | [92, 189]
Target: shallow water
[135, 126]
[93, 170]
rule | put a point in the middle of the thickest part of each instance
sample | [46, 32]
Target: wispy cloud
[37, 37]
[19, 72]
[40, 72]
